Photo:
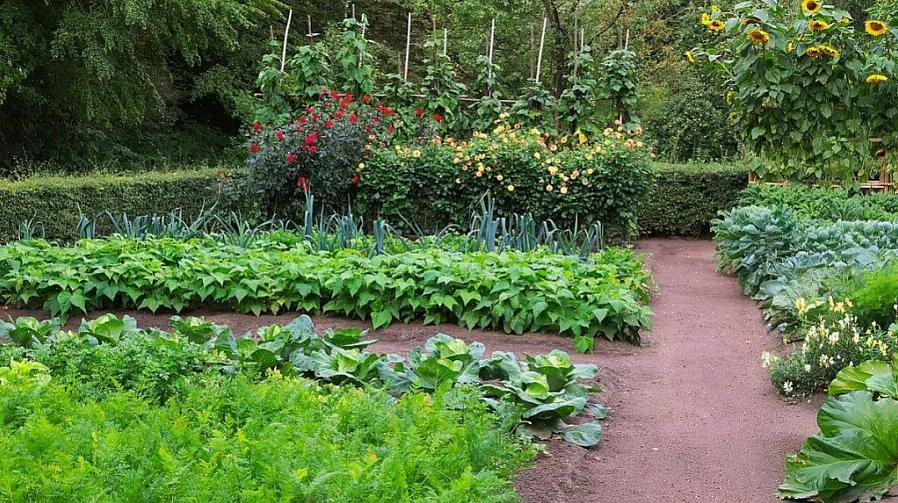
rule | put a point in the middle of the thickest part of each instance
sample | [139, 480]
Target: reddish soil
[694, 418]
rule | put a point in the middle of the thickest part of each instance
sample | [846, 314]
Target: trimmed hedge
[684, 198]
[55, 204]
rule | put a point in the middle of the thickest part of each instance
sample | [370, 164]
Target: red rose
[353, 118]
[257, 127]
[280, 136]
[340, 115]
[419, 112]
[314, 117]
[291, 158]
[355, 180]
[302, 120]
[254, 148]
[311, 138]
[438, 117]
[328, 123]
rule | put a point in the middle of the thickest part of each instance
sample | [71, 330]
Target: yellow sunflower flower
[875, 27]
[813, 52]
[818, 25]
[811, 6]
[758, 36]
[829, 51]
[716, 25]
[706, 19]
[876, 78]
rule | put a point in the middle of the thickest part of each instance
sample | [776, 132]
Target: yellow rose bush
[571, 179]
[810, 89]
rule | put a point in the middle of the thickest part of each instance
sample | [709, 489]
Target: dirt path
[694, 419]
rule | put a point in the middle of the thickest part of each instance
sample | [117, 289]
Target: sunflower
[813, 52]
[829, 51]
[689, 56]
[706, 19]
[876, 78]
[875, 27]
[716, 25]
[811, 6]
[818, 25]
[758, 36]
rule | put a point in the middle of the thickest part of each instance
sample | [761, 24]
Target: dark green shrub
[692, 125]
[684, 198]
[560, 179]
[54, 204]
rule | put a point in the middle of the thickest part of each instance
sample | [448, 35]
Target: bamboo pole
[408, 43]
[542, 42]
[286, 35]
[490, 56]
[445, 42]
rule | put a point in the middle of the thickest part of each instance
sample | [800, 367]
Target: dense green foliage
[54, 205]
[511, 291]
[685, 198]
[853, 457]
[87, 80]
[875, 295]
[224, 439]
[536, 395]
[826, 205]
[780, 259]
[566, 179]
[117, 82]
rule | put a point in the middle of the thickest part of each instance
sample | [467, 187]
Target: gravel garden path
[693, 417]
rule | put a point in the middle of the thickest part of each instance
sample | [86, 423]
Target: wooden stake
[627, 41]
[490, 54]
[286, 34]
[542, 42]
[408, 43]
[353, 11]
[445, 41]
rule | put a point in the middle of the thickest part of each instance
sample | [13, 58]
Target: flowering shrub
[569, 179]
[319, 150]
[833, 342]
[809, 93]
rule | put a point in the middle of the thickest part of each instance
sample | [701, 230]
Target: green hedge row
[55, 204]
[684, 198]
[682, 201]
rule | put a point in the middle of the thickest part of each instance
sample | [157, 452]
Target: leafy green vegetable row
[853, 458]
[108, 354]
[226, 439]
[780, 258]
[511, 291]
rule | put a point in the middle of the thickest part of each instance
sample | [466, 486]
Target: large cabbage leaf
[855, 455]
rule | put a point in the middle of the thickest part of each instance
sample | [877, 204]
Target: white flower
[807, 367]
[787, 387]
